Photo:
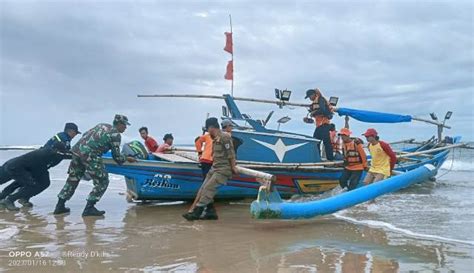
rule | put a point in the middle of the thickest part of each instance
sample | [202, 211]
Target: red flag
[228, 42]
[229, 74]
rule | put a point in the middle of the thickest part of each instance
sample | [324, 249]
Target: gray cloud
[86, 61]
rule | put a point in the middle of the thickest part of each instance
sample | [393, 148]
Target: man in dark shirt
[60, 141]
[30, 174]
[66, 136]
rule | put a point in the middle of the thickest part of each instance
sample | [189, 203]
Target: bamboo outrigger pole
[277, 102]
[223, 97]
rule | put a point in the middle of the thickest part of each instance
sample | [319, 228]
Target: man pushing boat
[87, 157]
[30, 171]
[223, 166]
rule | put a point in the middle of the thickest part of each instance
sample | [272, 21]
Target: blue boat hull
[154, 180]
[162, 180]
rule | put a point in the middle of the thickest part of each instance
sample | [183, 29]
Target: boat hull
[154, 180]
[162, 180]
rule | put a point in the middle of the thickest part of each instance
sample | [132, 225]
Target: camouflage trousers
[210, 185]
[95, 169]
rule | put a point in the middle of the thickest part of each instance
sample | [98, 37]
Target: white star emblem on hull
[279, 147]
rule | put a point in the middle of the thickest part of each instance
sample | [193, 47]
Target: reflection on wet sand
[154, 237]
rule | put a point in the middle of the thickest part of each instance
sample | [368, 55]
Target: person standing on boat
[167, 146]
[224, 165]
[355, 160]
[321, 111]
[87, 158]
[150, 142]
[383, 158]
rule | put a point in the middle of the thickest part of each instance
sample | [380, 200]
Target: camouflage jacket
[97, 141]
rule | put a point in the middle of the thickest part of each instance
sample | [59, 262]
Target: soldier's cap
[226, 122]
[121, 119]
[71, 126]
[309, 93]
[212, 122]
[168, 136]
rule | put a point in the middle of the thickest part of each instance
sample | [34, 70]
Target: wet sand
[135, 237]
[154, 237]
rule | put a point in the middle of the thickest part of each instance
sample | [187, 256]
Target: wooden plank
[174, 158]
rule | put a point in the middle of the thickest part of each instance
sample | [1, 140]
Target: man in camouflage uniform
[222, 168]
[87, 158]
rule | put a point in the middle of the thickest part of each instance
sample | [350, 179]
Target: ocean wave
[458, 165]
[387, 226]
[8, 232]
[19, 147]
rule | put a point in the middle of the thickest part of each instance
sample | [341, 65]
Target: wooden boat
[293, 159]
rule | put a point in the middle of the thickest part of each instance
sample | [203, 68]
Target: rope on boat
[450, 168]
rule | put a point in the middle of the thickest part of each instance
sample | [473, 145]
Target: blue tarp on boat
[373, 117]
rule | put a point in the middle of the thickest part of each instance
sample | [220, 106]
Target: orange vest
[319, 119]
[354, 156]
[204, 145]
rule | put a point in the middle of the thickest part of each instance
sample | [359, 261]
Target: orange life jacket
[320, 118]
[206, 151]
[351, 155]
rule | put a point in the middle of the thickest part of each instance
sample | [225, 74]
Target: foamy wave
[8, 232]
[384, 225]
[458, 165]
[19, 147]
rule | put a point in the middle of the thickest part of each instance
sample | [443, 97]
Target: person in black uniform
[30, 173]
[61, 142]
[70, 131]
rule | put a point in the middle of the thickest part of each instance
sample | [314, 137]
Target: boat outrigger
[285, 162]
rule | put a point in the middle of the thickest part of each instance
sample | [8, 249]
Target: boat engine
[135, 149]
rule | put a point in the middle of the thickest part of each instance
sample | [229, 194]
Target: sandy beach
[135, 237]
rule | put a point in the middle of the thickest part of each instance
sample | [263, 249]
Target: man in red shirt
[150, 142]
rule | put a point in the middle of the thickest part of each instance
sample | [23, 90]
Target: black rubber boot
[195, 214]
[25, 203]
[8, 204]
[211, 213]
[90, 210]
[60, 207]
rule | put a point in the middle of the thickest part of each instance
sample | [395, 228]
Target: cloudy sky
[84, 61]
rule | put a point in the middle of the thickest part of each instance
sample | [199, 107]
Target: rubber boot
[211, 213]
[60, 207]
[8, 204]
[90, 210]
[25, 203]
[195, 214]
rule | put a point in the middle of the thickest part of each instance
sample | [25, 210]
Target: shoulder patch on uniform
[227, 146]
